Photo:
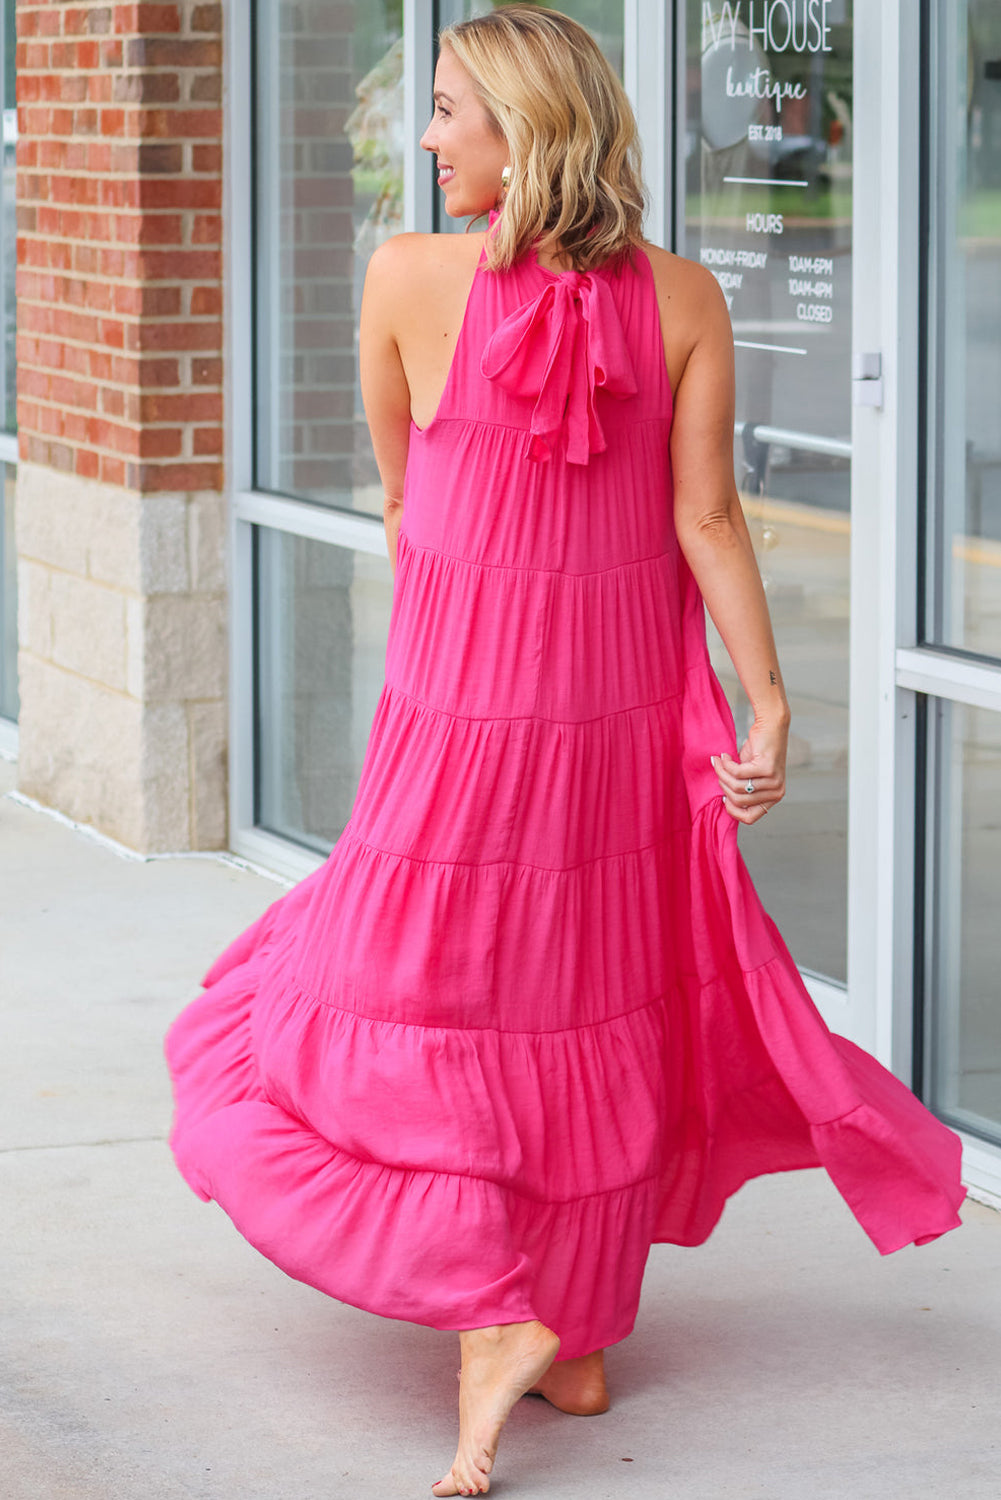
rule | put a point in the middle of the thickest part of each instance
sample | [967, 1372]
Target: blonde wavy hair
[576, 185]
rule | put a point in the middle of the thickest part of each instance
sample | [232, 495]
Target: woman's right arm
[383, 383]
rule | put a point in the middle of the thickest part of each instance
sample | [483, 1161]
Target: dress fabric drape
[529, 1017]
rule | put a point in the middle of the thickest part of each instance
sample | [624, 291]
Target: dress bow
[561, 348]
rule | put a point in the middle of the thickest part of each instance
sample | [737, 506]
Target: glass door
[962, 604]
[765, 202]
[603, 18]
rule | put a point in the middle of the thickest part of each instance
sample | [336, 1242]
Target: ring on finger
[749, 789]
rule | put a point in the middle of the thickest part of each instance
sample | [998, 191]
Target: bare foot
[498, 1367]
[576, 1386]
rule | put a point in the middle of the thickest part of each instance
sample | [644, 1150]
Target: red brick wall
[120, 241]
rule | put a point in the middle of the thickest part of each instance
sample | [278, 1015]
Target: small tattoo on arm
[773, 678]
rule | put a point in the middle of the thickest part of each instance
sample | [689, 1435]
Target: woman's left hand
[761, 766]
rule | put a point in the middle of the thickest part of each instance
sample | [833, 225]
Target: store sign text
[779, 25]
[759, 84]
[750, 93]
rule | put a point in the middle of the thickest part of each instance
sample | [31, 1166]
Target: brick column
[120, 513]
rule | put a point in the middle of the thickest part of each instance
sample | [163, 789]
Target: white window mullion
[885, 308]
[648, 75]
[341, 528]
[941, 674]
[418, 82]
[238, 253]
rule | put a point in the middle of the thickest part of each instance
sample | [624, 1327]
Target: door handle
[867, 379]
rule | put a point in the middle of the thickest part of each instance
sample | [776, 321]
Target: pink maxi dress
[530, 1017]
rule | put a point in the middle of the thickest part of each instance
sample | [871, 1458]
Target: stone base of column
[123, 660]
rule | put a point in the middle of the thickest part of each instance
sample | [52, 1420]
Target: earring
[505, 179]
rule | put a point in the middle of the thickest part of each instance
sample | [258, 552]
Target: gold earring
[505, 179]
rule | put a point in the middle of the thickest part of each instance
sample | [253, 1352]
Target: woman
[530, 1018]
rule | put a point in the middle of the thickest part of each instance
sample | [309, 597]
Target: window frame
[891, 674]
[250, 507]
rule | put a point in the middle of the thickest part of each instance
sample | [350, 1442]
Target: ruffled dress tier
[529, 1017]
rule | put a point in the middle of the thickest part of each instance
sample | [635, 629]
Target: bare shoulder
[415, 264]
[693, 309]
[684, 287]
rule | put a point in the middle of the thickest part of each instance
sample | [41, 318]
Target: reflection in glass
[768, 209]
[328, 130]
[8, 598]
[964, 530]
[604, 19]
[966, 844]
[322, 618]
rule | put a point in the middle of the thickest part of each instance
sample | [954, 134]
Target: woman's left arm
[383, 383]
[713, 536]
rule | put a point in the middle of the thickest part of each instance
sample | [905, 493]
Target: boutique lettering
[759, 84]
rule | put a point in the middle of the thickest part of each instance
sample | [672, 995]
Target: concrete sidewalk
[147, 1353]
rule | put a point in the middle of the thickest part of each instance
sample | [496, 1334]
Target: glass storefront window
[767, 151]
[323, 615]
[8, 598]
[965, 1041]
[604, 19]
[328, 136]
[328, 188]
[964, 490]
[962, 603]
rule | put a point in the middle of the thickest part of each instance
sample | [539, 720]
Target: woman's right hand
[761, 765]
